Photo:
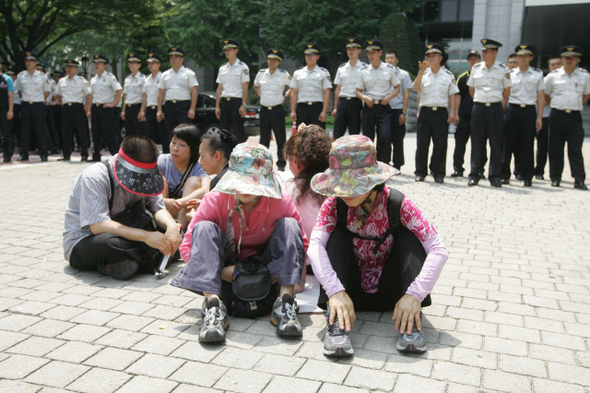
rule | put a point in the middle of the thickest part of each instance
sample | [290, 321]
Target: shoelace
[212, 315]
[289, 311]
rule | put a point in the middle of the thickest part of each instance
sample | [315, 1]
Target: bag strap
[112, 185]
[185, 176]
[394, 205]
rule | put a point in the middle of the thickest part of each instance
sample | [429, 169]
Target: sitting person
[351, 250]
[185, 178]
[106, 227]
[244, 217]
[307, 152]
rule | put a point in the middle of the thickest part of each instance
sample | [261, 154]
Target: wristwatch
[405, 113]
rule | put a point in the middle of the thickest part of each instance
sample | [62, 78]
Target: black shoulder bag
[173, 193]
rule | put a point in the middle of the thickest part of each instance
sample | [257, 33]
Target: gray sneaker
[284, 317]
[119, 270]
[337, 341]
[411, 342]
[215, 321]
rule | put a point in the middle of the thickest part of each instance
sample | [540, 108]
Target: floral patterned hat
[353, 170]
[250, 172]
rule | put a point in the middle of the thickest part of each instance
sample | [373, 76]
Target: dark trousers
[310, 114]
[519, 139]
[156, 129]
[175, 113]
[542, 148]
[487, 123]
[432, 125]
[230, 117]
[108, 248]
[33, 118]
[16, 123]
[461, 138]
[57, 123]
[8, 140]
[348, 114]
[398, 133]
[566, 127]
[283, 255]
[54, 143]
[103, 126]
[132, 124]
[73, 119]
[273, 120]
[379, 118]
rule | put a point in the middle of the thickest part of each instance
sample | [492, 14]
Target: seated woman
[351, 254]
[186, 180]
[246, 215]
[307, 152]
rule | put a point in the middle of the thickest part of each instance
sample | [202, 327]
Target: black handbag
[251, 279]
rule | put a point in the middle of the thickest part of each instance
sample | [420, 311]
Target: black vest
[3, 94]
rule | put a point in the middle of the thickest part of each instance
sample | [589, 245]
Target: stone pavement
[511, 310]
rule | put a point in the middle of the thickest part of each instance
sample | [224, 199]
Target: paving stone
[57, 374]
[121, 339]
[129, 322]
[237, 358]
[145, 384]
[36, 346]
[409, 383]
[406, 364]
[156, 366]
[95, 317]
[475, 358]
[457, 373]
[569, 373]
[48, 328]
[562, 340]
[113, 358]
[241, 339]
[8, 339]
[87, 333]
[131, 307]
[74, 352]
[506, 382]
[158, 344]
[370, 379]
[7, 385]
[277, 345]
[520, 334]
[501, 345]
[291, 385]
[18, 322]
[278, 364]
[243, 381]
[192, 350]
[99, 381]
[524, 366]
[198, 374]
[62, 313]
[19, 366]
[549, 386]
[324, 371]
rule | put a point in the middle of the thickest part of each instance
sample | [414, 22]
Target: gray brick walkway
[511, 310]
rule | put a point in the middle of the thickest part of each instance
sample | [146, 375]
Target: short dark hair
[512, 55]
[222, 141]
[392, 52]
[553, 57]
[140, 148]
[191, 135]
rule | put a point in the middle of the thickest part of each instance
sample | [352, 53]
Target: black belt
[522, 105]
[177, 101]
[132, 105]
[487, 103]
[349, 98]
[270, 108]
[73, 103]
[33, 102]
[310, 102]
[433, 108]
[152, 107]
[231, 98]
[565, 110]
[99, 104]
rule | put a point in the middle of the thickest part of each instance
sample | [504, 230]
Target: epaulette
[554, 71]
[477, 65]
[388, 65]
[282, 70]
[583, 70]
[501, 64]
[322, 68]
[449, 72]
[536, 69]
[300, 68]
[342, 65]
[241, 62]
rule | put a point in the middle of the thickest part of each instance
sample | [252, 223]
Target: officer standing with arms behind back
[489, 85]
[310, 90]
[33, 88]
[377, 85]
[149, 103]
[133, 90]
[567, 89]
[232, 91]
[270, 85]
[70, 94]
[105, 94]
[523, 115]
[177, 93]
[347, 106]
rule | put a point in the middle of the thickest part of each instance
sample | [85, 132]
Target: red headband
[143, 165]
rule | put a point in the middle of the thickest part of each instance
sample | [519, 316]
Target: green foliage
[153, 38]
[401, 34]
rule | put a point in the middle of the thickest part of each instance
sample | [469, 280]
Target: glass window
[448, 10]
[466, 10]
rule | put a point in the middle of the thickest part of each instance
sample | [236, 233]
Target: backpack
[406, 245]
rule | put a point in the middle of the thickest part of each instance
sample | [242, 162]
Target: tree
[400, 34]
[153, 38]
[37, 25]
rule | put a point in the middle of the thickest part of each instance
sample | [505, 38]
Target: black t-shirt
[466, 99]
[218, 177]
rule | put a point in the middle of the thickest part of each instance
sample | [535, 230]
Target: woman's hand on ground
[341, 306]
[407, 313]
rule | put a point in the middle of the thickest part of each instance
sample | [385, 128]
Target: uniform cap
[473, 53]
[154, 58]
[353, 42]
[273, 53]
[434, 48]
[70, 63]
[58, 73]
[100, 59]
[228, 43]
[311, 48]
[30, 56]
[175, 51]
[373, 45]
[133, 57]
[571, 50]
[486, 43]
[524, 49]
[11, 70]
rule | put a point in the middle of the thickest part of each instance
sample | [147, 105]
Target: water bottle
[452, 128]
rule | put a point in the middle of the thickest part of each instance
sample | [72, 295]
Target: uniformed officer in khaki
[105, 94]
[567, 89]
[489, 85]
[270, 85]
[232, 91]
[33, 88]
[71, 92]
[133, 92]
[149, 105]
[377, 85]
[177, 93]
[523, 115]
[437, 89]
[310, 90]
[347, 106]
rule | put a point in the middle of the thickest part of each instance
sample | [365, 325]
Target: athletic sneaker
[337, 341]
[118, 270]
[215, 321]
[411, 342]
[284, 317]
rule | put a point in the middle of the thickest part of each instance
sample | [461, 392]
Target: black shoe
[482, 176]
[519, 177]
[84, 158]
[457, 174]
[7, 159]
[505, 181]
[580, 185]
[119, 270]
[555, 183]
[44, 157]
[528, 183]
[96, 159]
[473, 182]
[63, 159]
[23, 158]
[539, 177]
[497, 183]
[419, 178]
[439, 179]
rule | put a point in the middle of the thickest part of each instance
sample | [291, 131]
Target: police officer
[347, 106]
[489, 85]
[6, 113]
[376, 86]
[512, 61]
[149, 106]
[177, 93]
[33, 88]
[465, 105]
[133, 91]
[310, 90]
[399, 105]
[270, 85]
[70, 94]
[567, 89]
[232, 91]
[437, 88]
[105, 94]
[523, 115]
[55, 77]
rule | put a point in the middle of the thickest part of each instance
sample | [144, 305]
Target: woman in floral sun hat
[352, 249]
[245, 217]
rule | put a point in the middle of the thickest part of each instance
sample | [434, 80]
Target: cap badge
[150, 55]
[275, 51]
[310, 46]
[225, 42]
[429, 46]
[484, 41]
[523, 47]
[351, 40]
[571, 48]
[370, 42]
[96, 56]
